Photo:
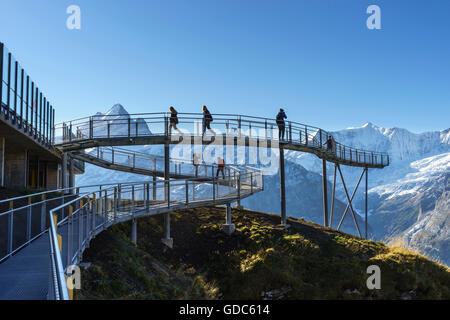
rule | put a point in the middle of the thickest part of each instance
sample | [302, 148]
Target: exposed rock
[277, 294]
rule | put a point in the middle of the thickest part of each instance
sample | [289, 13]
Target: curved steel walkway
[132, 161]
[228, 129]
[61, 226]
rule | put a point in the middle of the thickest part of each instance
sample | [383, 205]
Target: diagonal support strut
[333, 196]
[349, 205]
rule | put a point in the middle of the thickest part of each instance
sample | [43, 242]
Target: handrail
[296, 133]
[109, 209]
[110, 156]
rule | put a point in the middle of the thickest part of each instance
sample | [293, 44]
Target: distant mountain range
[410, 199]
[407, 199]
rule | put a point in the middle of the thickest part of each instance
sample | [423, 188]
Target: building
[28, 159]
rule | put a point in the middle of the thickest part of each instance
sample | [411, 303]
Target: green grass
[260, 260]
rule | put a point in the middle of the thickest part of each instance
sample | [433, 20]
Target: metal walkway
[228, 129]
[26, 272]
[131, 161]
[233, 130]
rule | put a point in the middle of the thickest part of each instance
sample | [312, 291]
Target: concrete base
[285, 226]
[168, 242]
[228, 228]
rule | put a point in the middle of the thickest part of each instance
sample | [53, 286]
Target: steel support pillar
[228, 227]
[166, 171]
[154, 187]
[333, 197]
[325, 192]
[167, 240]
[134, 231]
[282, 188]
[367, 200]
[63, 172]
[71, 176]
[154, 180]
[238, 186]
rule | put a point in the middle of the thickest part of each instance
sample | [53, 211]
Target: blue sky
[316, 59]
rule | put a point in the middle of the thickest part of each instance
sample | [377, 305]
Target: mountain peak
[369, 124]
[117, 109]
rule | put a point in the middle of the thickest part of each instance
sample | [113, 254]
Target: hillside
[259, 261]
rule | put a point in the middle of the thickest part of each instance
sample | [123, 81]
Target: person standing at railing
[280, 123]
[331, 144]
[173, 121]
[220, 167]
[207, 119]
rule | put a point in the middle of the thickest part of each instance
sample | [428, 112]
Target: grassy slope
[260, 260]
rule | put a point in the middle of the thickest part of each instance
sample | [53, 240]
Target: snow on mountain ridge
[399, 143]
[422, 171]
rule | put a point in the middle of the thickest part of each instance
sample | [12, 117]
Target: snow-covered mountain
[399, 143]
[402, 146]
[416, 179]
[117, 121]
[431, 233]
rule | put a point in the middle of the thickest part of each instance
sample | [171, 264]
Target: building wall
[22, 168]
[16, 167]
[52, 175]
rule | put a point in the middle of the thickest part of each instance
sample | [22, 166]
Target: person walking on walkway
[280, 123]
[330, 144]
[207, 119]
[220, 167]
[173, 121]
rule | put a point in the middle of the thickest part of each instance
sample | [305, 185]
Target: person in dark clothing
[207, 119]
[280, 123]
[173, 121]
[330, 144]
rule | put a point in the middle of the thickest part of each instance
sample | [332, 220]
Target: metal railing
[157, 124]
[130, 160]
[74, 224]
[22, 102]
[23, 223]
[25, 217]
